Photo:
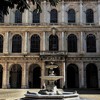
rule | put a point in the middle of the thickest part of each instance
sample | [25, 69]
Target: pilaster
[42, 73]
[82, 43]
[62, 40]
[44, 12]
[6, 43]
[25, 43]
[62, 12]
[44, 42]
[24, 76]
[99, 12]
[25, 16]
[81, 12]
[5, 76]
[81, 76]
[63, 74]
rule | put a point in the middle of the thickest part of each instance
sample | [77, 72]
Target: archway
[1, 72]
[15, 76]
[72, 76]
[34, 76]
[91, 76]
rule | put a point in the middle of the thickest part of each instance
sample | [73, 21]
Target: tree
[21, 5]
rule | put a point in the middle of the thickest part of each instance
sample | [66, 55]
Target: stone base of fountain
[50, 96]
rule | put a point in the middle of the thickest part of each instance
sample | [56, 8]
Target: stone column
[81, 76]
[44, 41]
[82, 43]
[97, 43]
[6, 43]
[24, 76]
[99, 12]
[42, 73]
[85, 84]
[62, 12]
[63, 74]
[25, 16]
[81, 12]
[25, 43]
[44, 12]
[5, 76]
[63, 40]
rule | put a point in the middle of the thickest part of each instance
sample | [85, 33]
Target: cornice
[60, 28]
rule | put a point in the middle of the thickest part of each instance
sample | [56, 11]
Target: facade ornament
[54, 30]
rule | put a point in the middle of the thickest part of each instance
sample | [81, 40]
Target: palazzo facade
[67, 35]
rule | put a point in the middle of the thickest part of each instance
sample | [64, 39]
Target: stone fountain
[50, 91]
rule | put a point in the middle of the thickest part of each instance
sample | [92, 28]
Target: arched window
[16, 44]
[18, 16]
[91, 43]
[71, 16]
[36, 17]
[35, 43]
[53, 43]
[89, 16]
[1, 43]
[53, 16]
[1, 18]
[72, 43]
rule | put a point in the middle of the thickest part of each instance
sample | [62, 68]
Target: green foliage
[21, 5]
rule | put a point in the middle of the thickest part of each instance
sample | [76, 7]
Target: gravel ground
[16, 94]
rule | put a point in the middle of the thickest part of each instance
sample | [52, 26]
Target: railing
[46, 24]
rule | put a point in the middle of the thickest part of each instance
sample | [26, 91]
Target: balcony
[53, 55]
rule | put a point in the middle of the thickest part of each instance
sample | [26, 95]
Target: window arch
[71, 16]
[1, 43]
[91, 43]
[89, 16]
[1, 18]
[18, 16]
[36, 17]
[53, 43]
[53, 16]
[72, 43]
[16, 44]
[35, 43]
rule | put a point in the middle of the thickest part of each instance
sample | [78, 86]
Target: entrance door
[91, 76]
[34, 76]
[72, 76]
[15, 76]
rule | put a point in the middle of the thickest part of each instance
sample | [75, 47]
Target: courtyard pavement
[16, 94]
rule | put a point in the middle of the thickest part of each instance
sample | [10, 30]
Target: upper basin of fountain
[52, 78]
[51, 66]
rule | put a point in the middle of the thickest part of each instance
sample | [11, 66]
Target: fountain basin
[63, 96]
[51, 78]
